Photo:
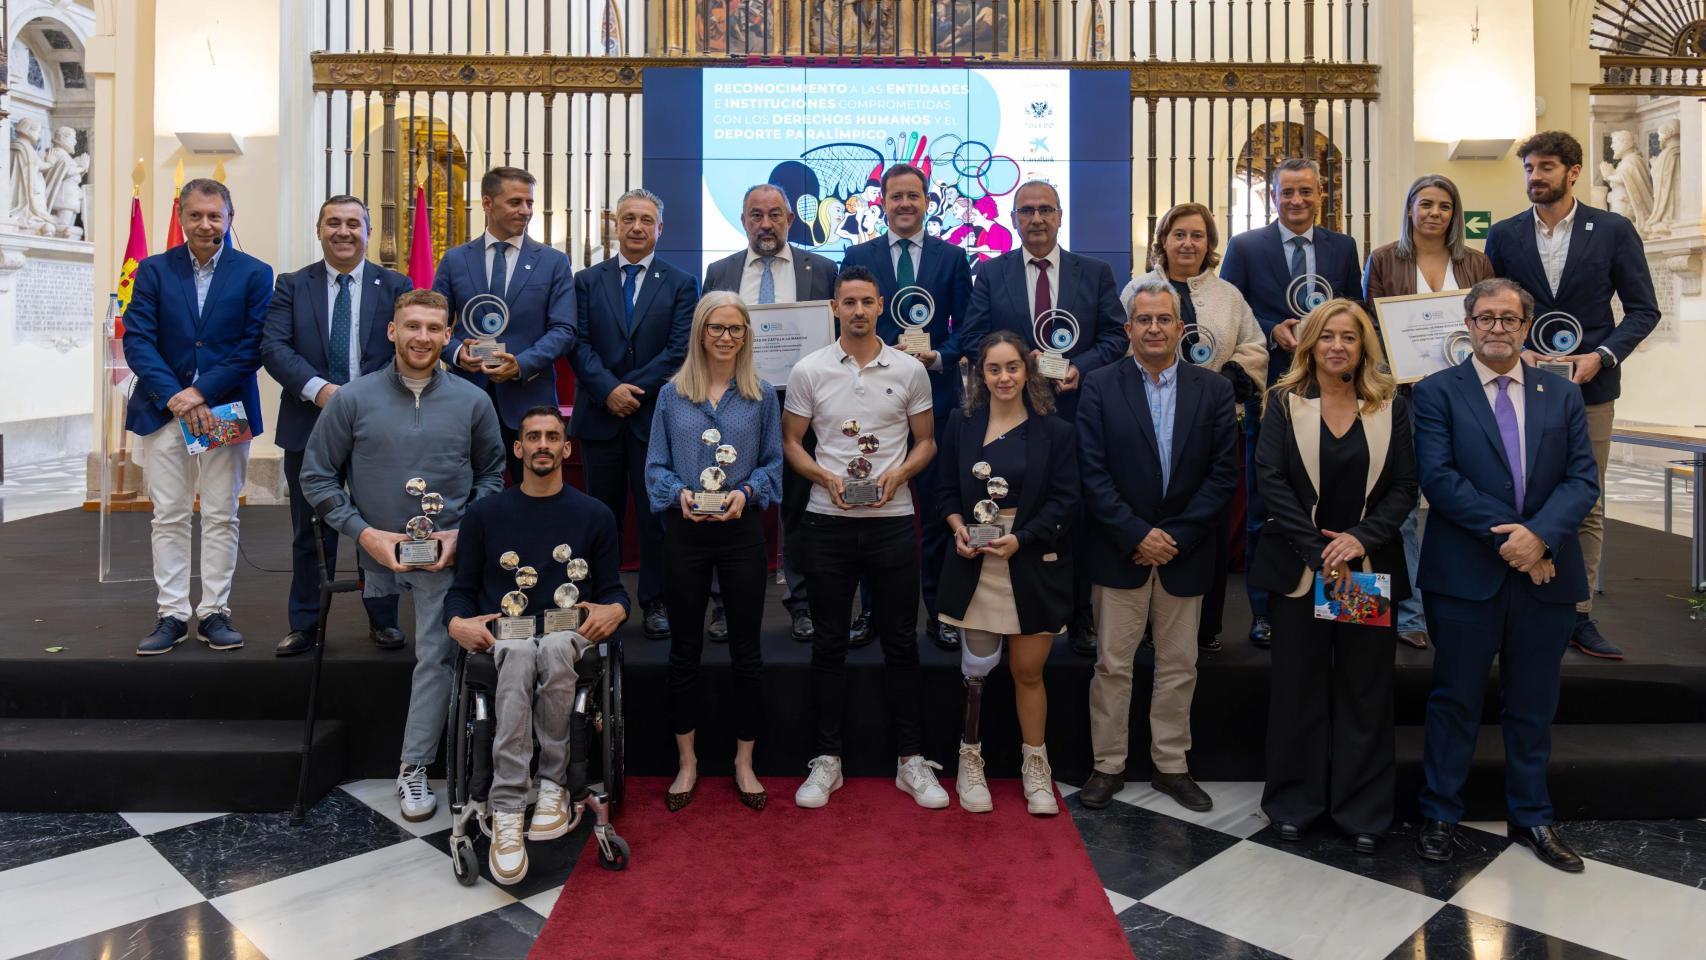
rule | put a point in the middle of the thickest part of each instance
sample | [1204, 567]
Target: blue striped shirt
[1163, 400]
[677, 454]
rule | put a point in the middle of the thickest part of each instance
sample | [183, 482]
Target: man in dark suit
[770, 270]
[325, 327]
[1505, 462]
[1265, 265]
[1572, 258]
[1158, 454]
[192, 336]
[534, 280]
[906, 257]
[633, 313]
[1012, 290]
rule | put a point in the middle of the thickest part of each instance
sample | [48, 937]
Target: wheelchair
[597, 709]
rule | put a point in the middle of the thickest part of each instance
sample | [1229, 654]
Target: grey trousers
[435, 657]
[535, 696]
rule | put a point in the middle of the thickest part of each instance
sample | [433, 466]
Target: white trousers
[173, 478]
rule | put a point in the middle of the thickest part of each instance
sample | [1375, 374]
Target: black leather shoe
[386, 638]
[718, 631]
[1547, 845]
[944, 636]
[859, 633]
[1262, 633]
[1099, 790]
[657, 621]
[1288, 832]
[1083, 639]
[1183, 790]
[1435, 842]
[1209, 645]
[804, 630]
[1365, 843]
[295, 642]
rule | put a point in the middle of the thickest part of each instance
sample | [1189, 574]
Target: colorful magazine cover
[1366, 600]
[230, 425]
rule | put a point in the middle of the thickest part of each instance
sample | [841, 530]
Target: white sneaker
[824, 780]
[508, 858]
[414, 794]
[916, 777]
[1039, 781]
[550, 814]
[970, 783]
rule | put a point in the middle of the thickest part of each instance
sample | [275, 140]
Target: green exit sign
[1476, 223]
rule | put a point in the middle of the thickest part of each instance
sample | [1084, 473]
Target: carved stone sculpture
[30, 210]
[1630, 180]
[64, 173]
[1667, 176]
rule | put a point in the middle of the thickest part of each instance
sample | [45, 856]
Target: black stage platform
[148, 733]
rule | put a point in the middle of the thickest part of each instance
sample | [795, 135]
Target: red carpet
[872, 875]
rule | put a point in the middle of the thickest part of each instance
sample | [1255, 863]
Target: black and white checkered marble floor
[358, 881]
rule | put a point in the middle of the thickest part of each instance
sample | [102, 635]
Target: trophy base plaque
[560, 619]
[983, 534]
[418, 553]
[1053, 365]
[861, 493]
[516, 628]
[485, 351]
[710, 501]
[915, 341]
[1562, 369]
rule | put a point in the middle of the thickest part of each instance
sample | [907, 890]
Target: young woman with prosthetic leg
[1008, 489]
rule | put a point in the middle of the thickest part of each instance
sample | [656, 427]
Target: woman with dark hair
[1012, 468]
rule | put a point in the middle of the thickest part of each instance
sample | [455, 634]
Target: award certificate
[1423, 333]
[782, 333]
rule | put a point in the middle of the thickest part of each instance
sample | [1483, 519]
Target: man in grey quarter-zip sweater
[409, 420]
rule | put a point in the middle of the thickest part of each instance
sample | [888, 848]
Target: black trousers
[734, 550]
[933, 536]
[616, 469]
[1214, 601]
[839, 550]
[1329, 720]
[304, 608]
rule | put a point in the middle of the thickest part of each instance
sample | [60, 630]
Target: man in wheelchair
[517, 547]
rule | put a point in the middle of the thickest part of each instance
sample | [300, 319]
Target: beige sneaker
[970, 783]
[1039, 781]
[508, 859]
[550, 814]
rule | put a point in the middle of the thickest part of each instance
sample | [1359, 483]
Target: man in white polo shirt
[870, 407]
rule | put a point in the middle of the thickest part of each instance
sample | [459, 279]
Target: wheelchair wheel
[615, 739]
[464, 864]
[618, 860]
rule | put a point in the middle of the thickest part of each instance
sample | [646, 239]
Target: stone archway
[51, 109]
[1269, 143]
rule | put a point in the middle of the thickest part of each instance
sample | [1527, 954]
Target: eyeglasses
[1485, 322]
[1029, 212]
[1159, 320]
[717, 331]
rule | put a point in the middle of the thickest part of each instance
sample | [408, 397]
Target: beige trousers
[1120, 619]
[1592, 534]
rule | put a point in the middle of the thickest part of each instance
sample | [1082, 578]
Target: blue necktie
[767, 283]
[903, 271]
[499, 281]
[1299, 260]
[1504, 411]
[629, 273]
[337, 351]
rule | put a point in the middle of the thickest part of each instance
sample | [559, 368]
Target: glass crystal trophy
[421, 550]
[912, 310]
[1457, 347]
[1057, 332]
[566, 615]
[484, 319]
[987, 512]
[1557, 335]
[1197, 344]
[514, 624]
[860, 490]
[713, 498]
[1306, 292]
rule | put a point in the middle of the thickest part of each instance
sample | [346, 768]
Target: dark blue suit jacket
[606, 353]
[1467, 481]
[944, 272]
[1605, 258]
[170, 345]
[298, 329]
[1258, 264]
[1085, 289]
[541, 300]
[1123, 499]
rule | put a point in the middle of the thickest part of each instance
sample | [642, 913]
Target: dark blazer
[1085, 289]
[1467, 481]
[298, 331]
[814, 276]
[1121, 475]
[1605, 258]
[541, 299]
[1388, 275]
[1041, 569]
[1258, 264]
[606, 353]
[1288, 552]
[945, 274]
[170, 345]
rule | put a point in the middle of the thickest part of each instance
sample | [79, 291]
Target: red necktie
[1043, 297]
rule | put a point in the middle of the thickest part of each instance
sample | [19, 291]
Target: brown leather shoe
[1099, 790]
[1414, 638]
[1183, 790]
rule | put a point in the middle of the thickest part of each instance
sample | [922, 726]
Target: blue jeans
[1410, 611]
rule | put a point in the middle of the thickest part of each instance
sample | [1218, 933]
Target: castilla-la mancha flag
[135, 251]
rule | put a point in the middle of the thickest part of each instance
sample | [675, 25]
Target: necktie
[629, 273]
[337, 349]
[1504, 411]
[903, 271]
[767, 283]
[1045, 299]
[1299, 260]
[500, 282]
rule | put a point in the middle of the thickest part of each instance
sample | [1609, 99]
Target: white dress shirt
[1553, 244]
[1487, 376]
[644, 262]
[311, 389]
[1031, 274]
[1286, 236]
[917, 252]
[512, 253]
[781, 270]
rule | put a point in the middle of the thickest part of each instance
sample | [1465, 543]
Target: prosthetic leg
[980, 653]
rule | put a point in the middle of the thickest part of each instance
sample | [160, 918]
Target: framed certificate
[782, 333]
[1423, 333]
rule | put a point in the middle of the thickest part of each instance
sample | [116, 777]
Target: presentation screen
[825, 135]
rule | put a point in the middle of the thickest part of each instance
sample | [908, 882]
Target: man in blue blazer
[192, 337]
[907, 257]
[1264, 264]
[1504, 459]
[1572, 258]
[534, 280]
[633, 316]
[1158, 458]
[325, 327]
